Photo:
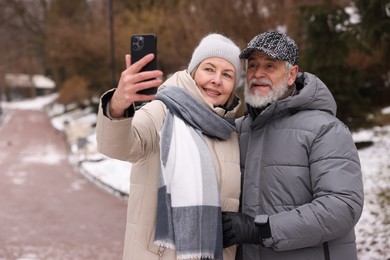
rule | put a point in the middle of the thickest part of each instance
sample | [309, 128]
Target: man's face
[268, 79]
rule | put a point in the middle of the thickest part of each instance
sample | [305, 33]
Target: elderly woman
[184, 151]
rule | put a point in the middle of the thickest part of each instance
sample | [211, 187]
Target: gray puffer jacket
[301, 170]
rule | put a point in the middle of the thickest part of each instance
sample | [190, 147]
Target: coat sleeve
[337, 187]
[132, 138]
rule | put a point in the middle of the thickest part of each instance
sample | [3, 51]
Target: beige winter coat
[136, 139]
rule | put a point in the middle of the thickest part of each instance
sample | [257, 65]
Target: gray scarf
[189, 212]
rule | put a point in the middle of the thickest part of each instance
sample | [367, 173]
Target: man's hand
[239, 228]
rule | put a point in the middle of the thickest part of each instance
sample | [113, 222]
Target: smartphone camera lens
[137, 43]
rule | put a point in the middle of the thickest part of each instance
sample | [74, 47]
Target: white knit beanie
[217, 45]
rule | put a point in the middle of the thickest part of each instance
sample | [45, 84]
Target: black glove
[240, 228]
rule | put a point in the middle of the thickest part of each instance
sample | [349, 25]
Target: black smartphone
[141, 45]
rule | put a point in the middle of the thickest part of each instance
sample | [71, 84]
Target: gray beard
[277, 92]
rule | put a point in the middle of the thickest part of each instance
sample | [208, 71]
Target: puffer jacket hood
[317, 97]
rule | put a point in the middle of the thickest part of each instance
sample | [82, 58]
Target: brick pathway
[48, 210]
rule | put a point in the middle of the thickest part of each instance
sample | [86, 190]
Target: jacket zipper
[261, 185]
[161, 250]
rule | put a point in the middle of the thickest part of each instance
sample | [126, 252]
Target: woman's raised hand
[132, 81]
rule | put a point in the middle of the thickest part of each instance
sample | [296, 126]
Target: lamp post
[112, 42]
[1, 100]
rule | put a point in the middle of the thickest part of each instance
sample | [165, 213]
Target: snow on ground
[372, 230]
[78, 127]
[33, 104]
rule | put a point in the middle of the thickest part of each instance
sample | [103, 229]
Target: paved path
[47, 210]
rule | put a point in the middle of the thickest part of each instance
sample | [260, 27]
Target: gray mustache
[260, 82]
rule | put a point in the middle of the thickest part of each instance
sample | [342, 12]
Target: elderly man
[302, 190]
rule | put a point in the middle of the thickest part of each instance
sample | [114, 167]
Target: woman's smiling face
[215, 78]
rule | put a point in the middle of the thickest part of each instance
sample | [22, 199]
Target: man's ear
[292, 75]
